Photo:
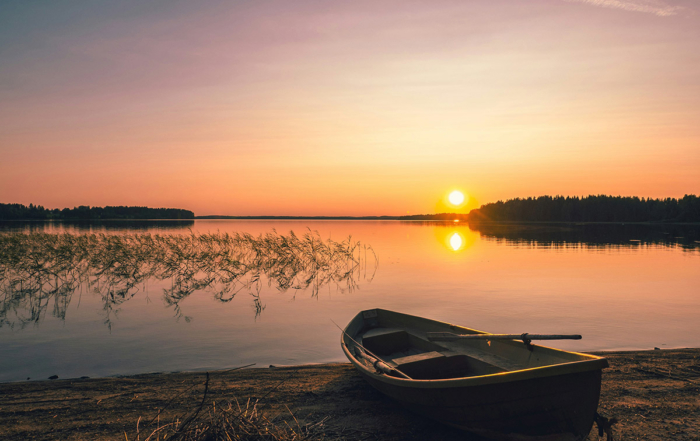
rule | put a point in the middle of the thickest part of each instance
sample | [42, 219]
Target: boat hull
[543, 409]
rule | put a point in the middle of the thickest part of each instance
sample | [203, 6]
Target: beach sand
[655, 395]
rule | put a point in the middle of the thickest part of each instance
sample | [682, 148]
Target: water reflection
[94, 226]
[686, 237]
[454, 237]
[458, 237]
[456, 241]
[41, 272]
[634, 295]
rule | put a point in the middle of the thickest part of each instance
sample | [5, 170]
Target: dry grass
[233, 421]
[228, 422]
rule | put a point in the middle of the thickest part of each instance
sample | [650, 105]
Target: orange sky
[346, 108]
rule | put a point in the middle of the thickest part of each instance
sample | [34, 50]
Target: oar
[369, 356]
[525, 337]
[448, 336]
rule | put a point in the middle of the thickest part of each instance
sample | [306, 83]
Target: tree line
[435, 217]
[594, 208]
[600, 208]
[83, 212]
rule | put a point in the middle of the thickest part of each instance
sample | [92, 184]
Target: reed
[39, 269]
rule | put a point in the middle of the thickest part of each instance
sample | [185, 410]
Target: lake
[620, 286]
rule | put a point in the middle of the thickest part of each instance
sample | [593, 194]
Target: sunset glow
[193, 187]
[346, 108]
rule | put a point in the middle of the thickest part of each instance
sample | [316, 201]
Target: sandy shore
[655, 395]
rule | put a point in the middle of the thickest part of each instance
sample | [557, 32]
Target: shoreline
[653, 394]
[255, 366]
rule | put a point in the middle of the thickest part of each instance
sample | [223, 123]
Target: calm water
[621, 287]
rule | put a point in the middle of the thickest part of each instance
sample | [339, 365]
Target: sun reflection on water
[455, 238]
[456, 241]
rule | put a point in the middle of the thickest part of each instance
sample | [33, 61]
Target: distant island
[600, 208]
[37, 212]
[439, 217]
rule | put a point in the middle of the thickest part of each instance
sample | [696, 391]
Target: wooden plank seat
[402, 361]
[441, 364]
[494, 360]
[385, 341]
[449, 349]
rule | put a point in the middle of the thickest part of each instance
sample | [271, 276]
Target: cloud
[656, 7]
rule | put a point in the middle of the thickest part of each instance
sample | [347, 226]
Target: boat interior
[401, 342]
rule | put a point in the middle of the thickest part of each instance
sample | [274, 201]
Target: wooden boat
[495, 388]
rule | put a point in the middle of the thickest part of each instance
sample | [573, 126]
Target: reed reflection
[41, 272]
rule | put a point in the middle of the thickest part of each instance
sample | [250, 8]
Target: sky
[346, 107]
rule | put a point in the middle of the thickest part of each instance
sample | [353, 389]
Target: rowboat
[496, 388]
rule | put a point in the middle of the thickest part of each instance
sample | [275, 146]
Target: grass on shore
[228, 422]
[232, 422]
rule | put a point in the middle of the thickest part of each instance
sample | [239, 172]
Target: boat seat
[381, 331]
[487, 358]
[385, 341]
[441, 365]
[449, 349]
[400, 361]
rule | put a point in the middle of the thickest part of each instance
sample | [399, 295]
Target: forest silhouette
[599, 208]
[593, 208]
[83, 212]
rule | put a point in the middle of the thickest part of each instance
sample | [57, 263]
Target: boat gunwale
[592, 363]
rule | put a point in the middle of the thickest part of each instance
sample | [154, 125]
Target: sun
[456, 197]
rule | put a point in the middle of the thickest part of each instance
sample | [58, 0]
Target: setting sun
[456, 197]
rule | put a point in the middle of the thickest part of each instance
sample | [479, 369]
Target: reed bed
[38, 269]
